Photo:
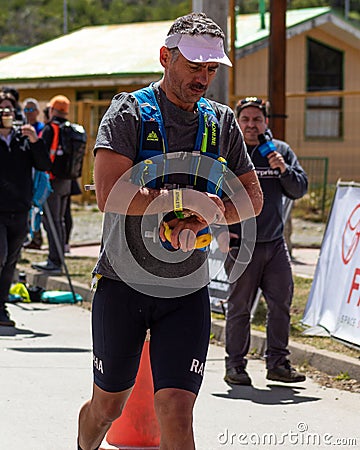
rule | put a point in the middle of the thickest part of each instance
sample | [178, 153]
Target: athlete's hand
[183, 232]
[208, 208]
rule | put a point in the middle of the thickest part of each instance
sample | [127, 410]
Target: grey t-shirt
[131, 250]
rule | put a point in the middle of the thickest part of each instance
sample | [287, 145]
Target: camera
[266, 146]
[6, 121]
[9, 122]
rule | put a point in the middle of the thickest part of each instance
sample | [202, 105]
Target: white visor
[199, 48]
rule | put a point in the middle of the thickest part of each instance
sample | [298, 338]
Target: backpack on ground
[70, 152]
[60, 297]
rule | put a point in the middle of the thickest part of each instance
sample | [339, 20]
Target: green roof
[120, 50]
[105, 50]
[249, 30]
[12, 48]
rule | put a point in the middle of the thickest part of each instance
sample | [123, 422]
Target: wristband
[178, 203]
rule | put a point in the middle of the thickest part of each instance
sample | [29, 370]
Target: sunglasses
[251, 100]
[27, 110]
[6, 110]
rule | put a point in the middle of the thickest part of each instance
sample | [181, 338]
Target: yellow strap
[178, 201]
[94, 281]
[205, 136]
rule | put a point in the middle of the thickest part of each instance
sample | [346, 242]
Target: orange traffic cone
[138, 426]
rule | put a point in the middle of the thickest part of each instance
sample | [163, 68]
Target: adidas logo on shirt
[152, 136]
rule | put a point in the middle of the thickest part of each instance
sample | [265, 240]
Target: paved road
[45, 372]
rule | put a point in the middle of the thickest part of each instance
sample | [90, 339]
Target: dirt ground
[306, 233]
[333, 382]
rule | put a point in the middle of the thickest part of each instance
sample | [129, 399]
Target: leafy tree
[27, 23]
[24, 23]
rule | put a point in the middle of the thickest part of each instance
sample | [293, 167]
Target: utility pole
[197, 5]
[277, 67]
[65, 27]
[347, 9]
[232, 55]
[218, 11]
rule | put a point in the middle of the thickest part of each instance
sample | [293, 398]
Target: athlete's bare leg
[174, 409]
[97, 415]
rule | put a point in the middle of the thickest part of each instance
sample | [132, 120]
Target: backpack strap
[153, 137]
[208, 144]
[54, 144]
[208, 136]
[153, 141]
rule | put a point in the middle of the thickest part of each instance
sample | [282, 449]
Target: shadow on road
[23, 333]
[273, 395]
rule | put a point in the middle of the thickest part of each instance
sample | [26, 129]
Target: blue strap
[150, 110]
[205, 110]
[206, 143]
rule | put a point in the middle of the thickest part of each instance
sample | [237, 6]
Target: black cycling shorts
[179, 328]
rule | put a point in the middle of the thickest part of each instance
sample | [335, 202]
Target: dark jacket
[292, 184]
[16, 164]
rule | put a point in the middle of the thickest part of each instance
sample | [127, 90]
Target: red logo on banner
[351, 235]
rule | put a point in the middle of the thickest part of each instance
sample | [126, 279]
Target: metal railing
[317, 172]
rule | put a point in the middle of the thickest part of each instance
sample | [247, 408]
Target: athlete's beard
[199, 86]
[184, 92]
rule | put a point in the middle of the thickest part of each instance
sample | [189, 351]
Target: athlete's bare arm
[115, 193]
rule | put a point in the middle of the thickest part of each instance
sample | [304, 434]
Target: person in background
[19, 116]
[46, 113]
[150, 293]
[75, 190]
[57, 200]
[31, 111]
[280, 174]
[21, 151]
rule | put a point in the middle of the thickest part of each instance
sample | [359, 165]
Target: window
[324, 73]
[323, 117]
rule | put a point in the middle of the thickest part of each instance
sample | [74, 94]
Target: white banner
[334, 300]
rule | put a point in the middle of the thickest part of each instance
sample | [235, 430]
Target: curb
[301, 354]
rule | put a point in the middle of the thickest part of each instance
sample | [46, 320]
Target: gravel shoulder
[87, 226]
[307, 234]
